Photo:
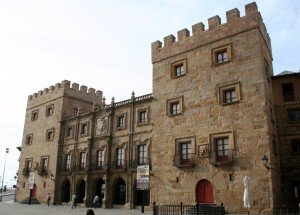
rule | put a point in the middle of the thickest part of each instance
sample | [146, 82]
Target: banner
[31, 180]
[142, 178]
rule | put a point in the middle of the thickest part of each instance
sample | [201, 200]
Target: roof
[286, 73]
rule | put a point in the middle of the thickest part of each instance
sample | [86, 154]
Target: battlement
[216, 31]
[65, 89]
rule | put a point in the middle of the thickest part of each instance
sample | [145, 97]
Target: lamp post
[6, 151]
[265, 161]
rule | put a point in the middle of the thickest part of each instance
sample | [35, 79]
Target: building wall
[204, 116]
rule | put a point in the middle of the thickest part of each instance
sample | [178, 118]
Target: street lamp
[6, 151]
[265, 161]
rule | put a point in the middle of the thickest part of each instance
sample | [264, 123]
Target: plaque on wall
[203, 151]
[101, 128]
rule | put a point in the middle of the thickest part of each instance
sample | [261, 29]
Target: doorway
[204, 192]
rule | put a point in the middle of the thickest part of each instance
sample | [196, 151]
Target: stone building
[207, 125]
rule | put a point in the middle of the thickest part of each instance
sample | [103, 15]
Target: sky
[106, 45]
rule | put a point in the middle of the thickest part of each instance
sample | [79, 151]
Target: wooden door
[204, 192]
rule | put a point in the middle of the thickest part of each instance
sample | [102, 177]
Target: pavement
[9, 207]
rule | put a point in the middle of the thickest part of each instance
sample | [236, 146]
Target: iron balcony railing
[120, 166]
[222, 160]
[289, 97]
[184, 163]
[42, 171]
[133, 164]
[99, 166]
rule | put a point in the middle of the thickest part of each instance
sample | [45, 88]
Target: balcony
[26, 171]
[184, 164]
[117, 167]
[289, 97]
[99, 167]
[79, 168]
[222, 161]
[42, 171]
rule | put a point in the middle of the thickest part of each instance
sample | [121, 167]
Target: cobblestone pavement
[11, 208]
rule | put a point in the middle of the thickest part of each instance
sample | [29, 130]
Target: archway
[65, 191]
[119, 192]
[80, 191]
[98, 186]
[204, 192]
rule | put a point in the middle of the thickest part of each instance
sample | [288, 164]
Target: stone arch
[65, 192]
[80, 190]
[119, 192]
[204, 192]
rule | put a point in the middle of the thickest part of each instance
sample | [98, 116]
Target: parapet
[215, 32]
[65, 89]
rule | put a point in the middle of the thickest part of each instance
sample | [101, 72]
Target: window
[84, 129]
[34, 115]
[178, 68]
[68, 162]
[28, 163]
[44, 164]
[294, 115]
[69, 132]
[121, 121]
[186, 152]
[82, 160]
[295, 145]
[221, 55]
[75, 111]
[229, 96]
[49, 110]
[29, 139]
[288, 92]
[100, 159]
[229, 93]
[142, 116]
[142, 154]
[175, 106]
[222, 149]
[120, 158]
[49, 134]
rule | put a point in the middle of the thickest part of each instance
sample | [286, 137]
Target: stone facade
[206, 126]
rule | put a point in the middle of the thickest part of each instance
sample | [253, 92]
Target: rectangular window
[295, 145]
[68, 162]
[143, 116]
[142, 154]
[288, 92]
[84, 129]
[221, 56]
[178, 68]
[294, 115]
[44, 164]
[120, 158]
[121, 122]
[174, 108]
[28, 164]
[49, 134]
[229, 96]
[29, 139]
[69, 132]
[34, 115]
[82, 160]
[49, 110]
[186, 152]
[222, 149]
[100, 159]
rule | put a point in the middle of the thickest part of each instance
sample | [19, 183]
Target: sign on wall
[142, 182]
[31, 180]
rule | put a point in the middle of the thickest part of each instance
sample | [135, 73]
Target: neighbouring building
[215, 111]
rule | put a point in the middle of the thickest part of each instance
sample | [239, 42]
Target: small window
[100, 159]
[29, 139]
[186, 152]
[84, 129]
[28, 163]
[175, 106]
[120, 158]
[82, 160]
[142, 117]
[221, 55]
[68, 161]
[44, 164]
[142, 154]
[121, 121]
[69, 132]
[294, 115]
[229, 96]
[34, 115]
[288, 92]
[49, 110]
[229, 93]
[222, 149]
[295, 146]
[50, 134]
[178, 68]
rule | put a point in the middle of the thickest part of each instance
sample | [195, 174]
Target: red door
[204, 192]
[33, 191]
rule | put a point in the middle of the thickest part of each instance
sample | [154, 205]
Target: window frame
[288, 96]
[69, 132]
[225, 151]
[175, 101]
[174, 65]
[100, 158]
[44, 163]
[123, 125]
[185, 152]
[120, 158]
[27, 137]
[293, 142]
[295, 117]
[225, 48]
[34, 113]
[49, 107]
[68, 161]
[82, 160]
[49, 138]
[234, 86]
[142, 160]
[84, 129]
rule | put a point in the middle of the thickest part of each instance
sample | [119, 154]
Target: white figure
[247, 195]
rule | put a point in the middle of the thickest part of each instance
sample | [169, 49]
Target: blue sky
[106, 45]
